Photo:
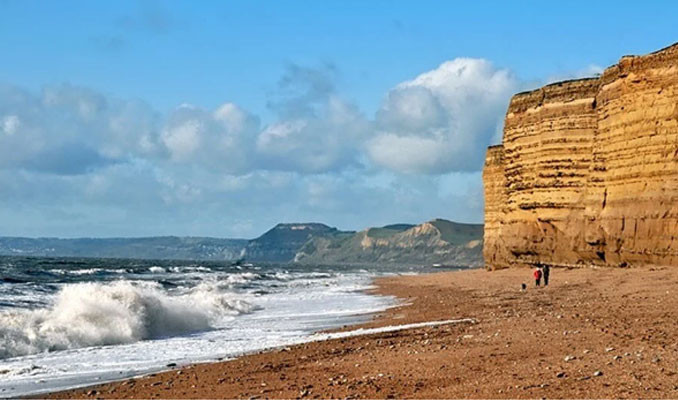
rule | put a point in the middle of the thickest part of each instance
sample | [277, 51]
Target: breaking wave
[97, 314]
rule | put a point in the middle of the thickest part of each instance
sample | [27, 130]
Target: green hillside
[435, 242]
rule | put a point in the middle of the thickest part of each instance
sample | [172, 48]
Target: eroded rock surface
[587, 172]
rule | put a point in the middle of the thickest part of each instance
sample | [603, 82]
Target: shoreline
[337, 322]
[592, 333]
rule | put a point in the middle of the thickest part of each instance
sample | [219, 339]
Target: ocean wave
[97, 314]
[189, 269]
[242, 277]
[292, 276]
[86, 271]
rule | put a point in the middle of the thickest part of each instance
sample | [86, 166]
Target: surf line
[390, 328]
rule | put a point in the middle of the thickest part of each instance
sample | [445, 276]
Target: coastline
[592, 333]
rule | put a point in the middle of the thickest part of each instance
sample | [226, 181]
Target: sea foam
[97, 314]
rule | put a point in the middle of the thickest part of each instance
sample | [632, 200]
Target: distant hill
[281, 243]
[160, 247]
[434, 242]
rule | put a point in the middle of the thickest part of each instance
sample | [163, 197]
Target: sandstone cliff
[587, 172]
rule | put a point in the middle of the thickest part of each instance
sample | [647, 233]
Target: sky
[213, 118]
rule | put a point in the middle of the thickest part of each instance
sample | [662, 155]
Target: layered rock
[587, 172]
[495, 202]
[434, 242]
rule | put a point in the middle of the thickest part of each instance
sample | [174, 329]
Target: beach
[593, 332]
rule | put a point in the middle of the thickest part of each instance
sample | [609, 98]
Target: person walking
[547, 272]
[537, 276]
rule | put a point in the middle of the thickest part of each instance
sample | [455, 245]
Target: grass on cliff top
[387, 231]
[451, 232]
[456, 233]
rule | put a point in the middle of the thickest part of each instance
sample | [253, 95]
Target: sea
[67, 322]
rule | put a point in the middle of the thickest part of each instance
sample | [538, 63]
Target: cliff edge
[587, 172]
[434, 242]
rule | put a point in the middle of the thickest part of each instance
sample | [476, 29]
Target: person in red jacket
[537, 276]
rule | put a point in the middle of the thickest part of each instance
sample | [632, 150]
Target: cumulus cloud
[438, 122]
[70, 130]
[316, 131]
[79, 156]
[182, 140]
[442, 120]
[10, 124]
[222, 139]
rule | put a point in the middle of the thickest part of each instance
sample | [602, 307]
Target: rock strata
[434, 242]
[587, 172]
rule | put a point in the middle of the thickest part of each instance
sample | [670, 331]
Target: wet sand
[590, 333]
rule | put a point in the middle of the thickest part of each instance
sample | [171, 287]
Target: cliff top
[667, 49]
[634, 63]
[557, 92]
[574, 89]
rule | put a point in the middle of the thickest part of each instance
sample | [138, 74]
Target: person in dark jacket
[546, 272]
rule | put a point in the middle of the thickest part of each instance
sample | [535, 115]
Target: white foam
[288, 313]
[389, 328]
[96, 314]
[88, 271]
[242, 277]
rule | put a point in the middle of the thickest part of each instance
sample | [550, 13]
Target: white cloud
[221, 140]
[330, 141]
[278, 132]
[10, 124]
[437, 122]
[409, 154]
[443, 119]
[86, 159]
[183, 140]
[131, 129]
[233, 118]
[316, 130]
[84, 103]
[69, 130]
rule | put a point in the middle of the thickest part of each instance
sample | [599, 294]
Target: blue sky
[130, 118]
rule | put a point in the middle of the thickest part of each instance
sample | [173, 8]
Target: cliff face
[587, 172]
[438, 241]
[494, 180]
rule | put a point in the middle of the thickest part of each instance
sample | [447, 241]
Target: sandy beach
[591, 333]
